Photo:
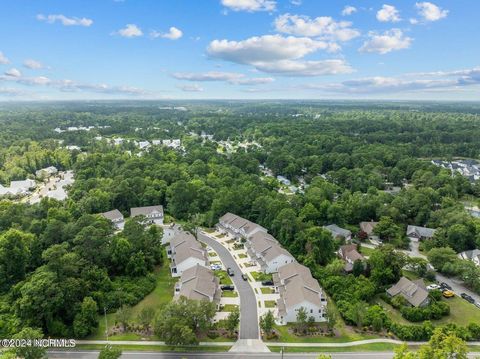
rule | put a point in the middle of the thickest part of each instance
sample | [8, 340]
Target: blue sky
[201, 49]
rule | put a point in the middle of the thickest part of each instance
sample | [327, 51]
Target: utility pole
[106, 323]
[282, 350]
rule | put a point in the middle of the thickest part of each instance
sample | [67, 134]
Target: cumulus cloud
[296, 2]
[278, 54]
[33, 64]
[388, 13]
[349, 10]
[234, 78]
[129, 31]
[64, 20]
[13, 72]
[390, 40]
[323, 27]
[405, 83]
[172, 34]
[3, 59]
[192, 88]
[250, 5]
[430, 12]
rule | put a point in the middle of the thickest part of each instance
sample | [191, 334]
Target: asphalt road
[248, 303]
[156, 355]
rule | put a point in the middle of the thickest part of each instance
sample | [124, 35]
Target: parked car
[467, 297]
[477, 304]
[244, 277]
[230, 272]
[448, 293]
[444, 286]
[215, 267]
[227, 287]
[267, 282]
[433, 287]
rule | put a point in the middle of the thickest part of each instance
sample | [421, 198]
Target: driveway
[248, 303]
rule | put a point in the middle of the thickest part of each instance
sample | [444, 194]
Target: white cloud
[390, 40]
[172, 34]
[7, 91]
[348, 10]
[33, 64]
[250, 5]
[234, 78]
[324, 27]
[13, 72]
[130, 30]
[406, 83]
[388, 13]
[66, 21]
[296, 2]
[430, 12]
[278, 54]
[192, 88]
[3, 59]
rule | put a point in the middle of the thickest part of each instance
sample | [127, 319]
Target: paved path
[248, 304]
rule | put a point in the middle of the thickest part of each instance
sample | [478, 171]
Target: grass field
[366, 251]
[158, 348]
[229, 294]
[267, 290]
[224, 277]
[242, 255]
[229, 307]
[161, 295]
[356, 348]
[260, 277]
[269, 304]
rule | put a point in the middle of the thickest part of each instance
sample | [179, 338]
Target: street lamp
[106, 323]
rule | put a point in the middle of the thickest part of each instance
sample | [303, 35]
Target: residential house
[349, 254]
[298, 289]
[267, 252]
[185, 252]
[417, 233]
[414, 292]
[237, 226]
[199, 283]
[153, 214]
[46, 172]
[338, 232]
[473, 255]
[368, 227]
[143, 145]
[116, 217]
[17, 188]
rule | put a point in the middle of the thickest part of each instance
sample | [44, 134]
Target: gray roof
[338, 231]
[143, 211]
[266, 245]
[420, 231]
[475, 253]
[238, 223]
[297, 285]
[368, 227]
[413, 291]
[186, 246]
[113, 215]
[199, 283]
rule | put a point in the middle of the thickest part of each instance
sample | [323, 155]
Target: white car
[433, 287]
[215, 267]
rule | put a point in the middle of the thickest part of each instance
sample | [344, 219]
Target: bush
[433, 311]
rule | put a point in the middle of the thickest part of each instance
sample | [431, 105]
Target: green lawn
[157, 348]
[357, 348]
[224, 277]
[229, 307]
[161, 295]
[242, 255]
[260, 277]
[212, 254]
[229, 294]
[366, 251]
[267, 290]
[269, 304]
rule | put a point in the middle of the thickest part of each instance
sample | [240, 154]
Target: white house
[185, 252]
[18, 188]
[268, 253]
[116, 217]
[153, 214]
[473, 255]
[298, 289]
[237, 226]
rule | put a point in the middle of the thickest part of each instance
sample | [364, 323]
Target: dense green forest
[60, 264]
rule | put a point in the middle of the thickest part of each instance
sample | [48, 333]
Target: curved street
[248, 304]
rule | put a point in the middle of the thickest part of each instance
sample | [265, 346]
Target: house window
[311, 310]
